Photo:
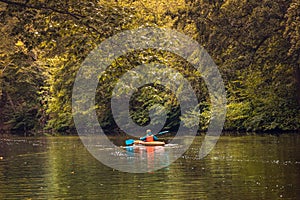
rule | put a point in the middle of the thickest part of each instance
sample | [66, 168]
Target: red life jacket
[149, 138]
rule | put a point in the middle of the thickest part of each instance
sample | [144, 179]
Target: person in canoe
[149, 140]
[149, 137]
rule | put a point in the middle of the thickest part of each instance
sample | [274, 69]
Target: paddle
[163, 132]
[131, 141]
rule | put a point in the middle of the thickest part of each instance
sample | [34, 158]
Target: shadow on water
[247, 167]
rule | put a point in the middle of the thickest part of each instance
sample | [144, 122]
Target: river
[239, 167]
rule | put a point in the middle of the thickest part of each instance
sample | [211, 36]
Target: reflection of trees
[22, 168]
[260, 167]
[252, 167]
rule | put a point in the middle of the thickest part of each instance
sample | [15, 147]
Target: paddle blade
[129, 142]
[163, 132]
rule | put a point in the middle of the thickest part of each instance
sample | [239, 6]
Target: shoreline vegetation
[255, 45]
[170, 135]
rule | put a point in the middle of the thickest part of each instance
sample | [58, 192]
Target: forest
[255, 44]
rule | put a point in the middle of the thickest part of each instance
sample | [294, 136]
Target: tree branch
[42, 7]
[39, 7]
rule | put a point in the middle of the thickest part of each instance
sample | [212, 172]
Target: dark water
[248, 167]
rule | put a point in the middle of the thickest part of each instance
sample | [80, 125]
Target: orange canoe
[154, 143]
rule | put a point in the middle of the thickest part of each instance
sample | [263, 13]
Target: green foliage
[148, 96]
[246, 39]
[255, 44]
[20, 82]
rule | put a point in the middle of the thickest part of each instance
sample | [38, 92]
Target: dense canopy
[256, 45]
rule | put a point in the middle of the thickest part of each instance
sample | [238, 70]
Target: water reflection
[117, 158]
[149, 155]
[250, 167]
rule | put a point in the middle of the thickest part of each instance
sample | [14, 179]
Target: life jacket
[149, 138]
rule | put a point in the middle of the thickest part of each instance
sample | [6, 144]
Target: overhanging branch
[40, 7]
[43, 7]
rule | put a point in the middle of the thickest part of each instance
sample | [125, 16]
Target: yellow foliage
[20, 43]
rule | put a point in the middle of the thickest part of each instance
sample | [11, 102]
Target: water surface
[246, 167]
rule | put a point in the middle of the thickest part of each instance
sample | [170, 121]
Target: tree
[20, 79]
[58, 35]
[245, 38]
[254, 43]
[292, 33]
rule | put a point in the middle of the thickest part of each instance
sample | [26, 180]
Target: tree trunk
[11, 103]
[298, 83]
[2, 104]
